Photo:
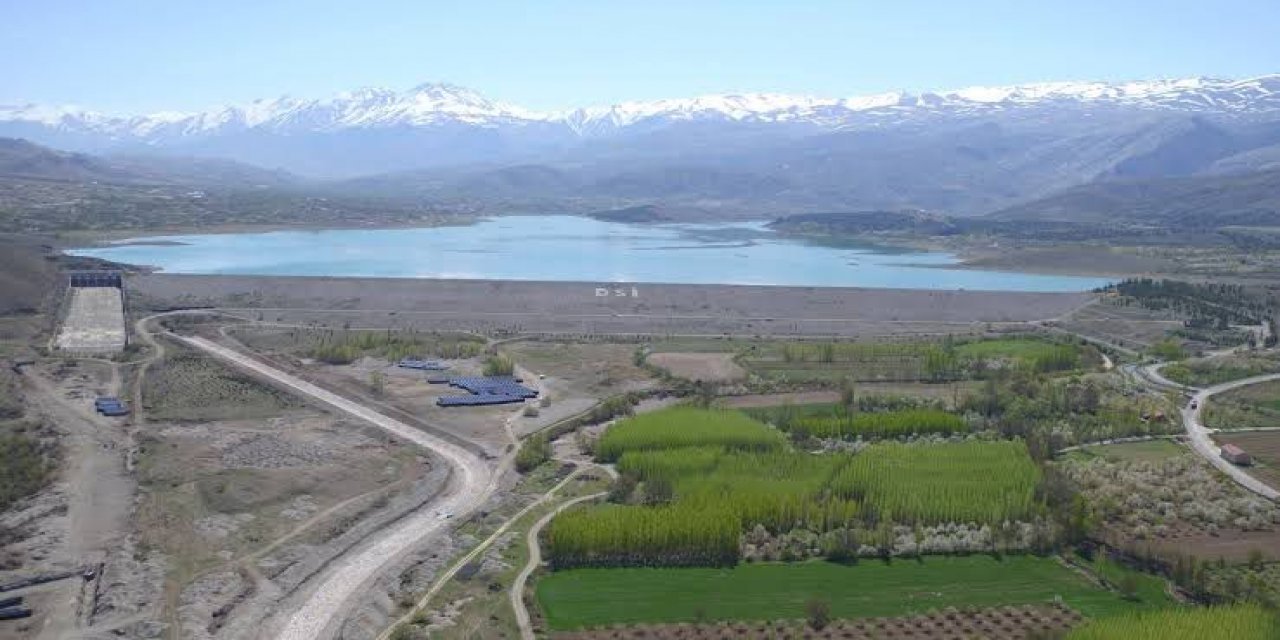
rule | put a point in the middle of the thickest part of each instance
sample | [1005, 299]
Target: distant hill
[855, 223]
[42, 190]
[964, 152]
[1187, 203]
[25, 160]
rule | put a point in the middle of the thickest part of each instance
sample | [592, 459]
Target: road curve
[471, 485]
[1198, 434]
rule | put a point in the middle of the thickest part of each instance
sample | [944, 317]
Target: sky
[135, 56]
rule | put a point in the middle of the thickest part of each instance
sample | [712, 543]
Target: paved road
[1205, 446]
[472, 483]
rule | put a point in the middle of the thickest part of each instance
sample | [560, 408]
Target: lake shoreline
[570, 248]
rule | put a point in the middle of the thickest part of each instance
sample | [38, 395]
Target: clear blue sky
[143, 55]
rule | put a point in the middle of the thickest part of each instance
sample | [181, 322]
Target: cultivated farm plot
[1146, 451]
[581, 598]
[947, 393]
[1247, 622]
[706, 477]
[1256, 406]
[1178, 505]
[829, 363]
[1264, 447]
[1004, 623]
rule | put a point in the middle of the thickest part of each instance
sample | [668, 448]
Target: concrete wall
[94, 323]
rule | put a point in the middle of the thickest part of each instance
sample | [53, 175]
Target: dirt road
[319, 614]
[99, 498]
[535, 559]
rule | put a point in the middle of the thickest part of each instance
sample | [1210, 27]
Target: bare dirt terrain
[705, 367]
[405, 392]
[574, 376]
[575, 308]
[1132, 328]
[248, 508]
[83, 519]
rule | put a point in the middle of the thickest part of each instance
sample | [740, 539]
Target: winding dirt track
[319, 615]
[535, 559]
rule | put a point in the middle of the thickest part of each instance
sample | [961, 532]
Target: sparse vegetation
[27, 463]
[834, 364]
[346, 346]
[1208, 372]
[188, 387]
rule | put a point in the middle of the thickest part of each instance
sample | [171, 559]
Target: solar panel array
[486, 390]
[109, 406]
[476, 401]
[497, 385]
[422, 365]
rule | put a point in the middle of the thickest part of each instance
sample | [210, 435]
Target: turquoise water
[567, 248]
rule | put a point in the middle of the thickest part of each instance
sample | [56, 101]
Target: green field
[589, 597]
[1251, 407]
[1011, 348]
[1148, 451]
[827, 363]
[1215, 623]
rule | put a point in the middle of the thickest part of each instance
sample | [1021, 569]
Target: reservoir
[570, 248]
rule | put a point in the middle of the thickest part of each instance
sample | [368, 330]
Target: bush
[534, 451]
[817, 613]
[499, 366]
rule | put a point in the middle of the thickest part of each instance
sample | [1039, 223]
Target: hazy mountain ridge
[966, 152]
[438, 125]
[431, 104]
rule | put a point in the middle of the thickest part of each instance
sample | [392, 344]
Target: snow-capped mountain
[434, 104]
[373, 129]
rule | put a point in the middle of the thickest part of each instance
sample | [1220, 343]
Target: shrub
[534, 451]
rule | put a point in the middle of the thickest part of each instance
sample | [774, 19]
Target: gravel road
[319, 615]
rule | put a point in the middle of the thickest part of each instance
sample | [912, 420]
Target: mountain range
[961, 152]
